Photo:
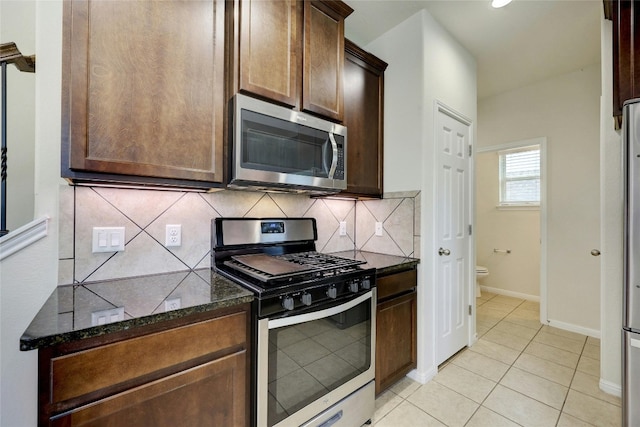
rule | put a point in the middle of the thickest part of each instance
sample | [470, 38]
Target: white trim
[542, 141]
[512, 294]
[422, 377]
[515, 207]
[544, 179]
[574, 328]
[513, 145]
[22, 237]
[611, 388]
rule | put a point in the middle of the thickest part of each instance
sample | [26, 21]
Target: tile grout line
[539, 331]
[481, 405]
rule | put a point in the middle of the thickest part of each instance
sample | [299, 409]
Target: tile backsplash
[145, 213]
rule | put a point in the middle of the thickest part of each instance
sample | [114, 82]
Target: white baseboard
[507, 293]
[574, 328]
[422, 377]
[611, 388]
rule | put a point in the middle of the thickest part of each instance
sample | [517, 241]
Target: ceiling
[524, 42]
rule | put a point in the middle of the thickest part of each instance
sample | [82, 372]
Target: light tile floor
[518, 373]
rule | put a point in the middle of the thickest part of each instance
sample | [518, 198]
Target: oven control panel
[308, 296]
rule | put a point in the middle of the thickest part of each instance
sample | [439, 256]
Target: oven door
[307, 363]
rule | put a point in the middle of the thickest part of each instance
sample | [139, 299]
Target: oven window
[308, 360]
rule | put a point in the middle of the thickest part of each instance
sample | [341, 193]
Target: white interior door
[452, 229]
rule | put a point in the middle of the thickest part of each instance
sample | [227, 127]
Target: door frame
[542, 141]
[440, 107]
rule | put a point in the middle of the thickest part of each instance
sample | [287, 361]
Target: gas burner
[278, 261]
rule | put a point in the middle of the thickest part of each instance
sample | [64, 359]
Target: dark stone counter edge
[28, 343]
[407, 265]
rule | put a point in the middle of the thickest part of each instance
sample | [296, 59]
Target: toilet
[481, 273]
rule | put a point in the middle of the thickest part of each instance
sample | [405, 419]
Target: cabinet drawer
[182, 399]
[87, 371]
[396, 283]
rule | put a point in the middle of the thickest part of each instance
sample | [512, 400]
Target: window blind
[520, 176]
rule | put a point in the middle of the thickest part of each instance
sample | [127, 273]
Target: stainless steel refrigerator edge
[631, 294]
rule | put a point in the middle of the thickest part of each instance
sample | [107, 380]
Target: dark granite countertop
[66, 316]
[384, 264]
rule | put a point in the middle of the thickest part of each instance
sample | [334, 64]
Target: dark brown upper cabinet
[364, 117]
[626, 56]
[143, 92]
[290, 52]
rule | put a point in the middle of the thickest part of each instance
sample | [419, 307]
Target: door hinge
[470, 150]
[470, 310]
[470, 230]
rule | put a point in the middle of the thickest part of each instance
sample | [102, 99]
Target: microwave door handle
[334, 161]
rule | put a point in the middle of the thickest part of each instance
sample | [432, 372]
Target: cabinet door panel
[396, 351]
[323, 61]
[211, 394]
[270, 42]
[145, 88]
[87, 371]
[363, 117]
[396, 284]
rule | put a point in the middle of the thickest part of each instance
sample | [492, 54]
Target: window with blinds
[520, 176]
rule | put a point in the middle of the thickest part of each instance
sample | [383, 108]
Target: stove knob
[366, 284]
[332, 292]
[353, 287]
[287, 303]
[306, 299]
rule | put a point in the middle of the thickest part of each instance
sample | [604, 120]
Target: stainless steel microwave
[276, 148]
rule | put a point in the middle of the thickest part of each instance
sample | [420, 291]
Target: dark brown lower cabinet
[192, 374]
[396, 320]
[201, 396]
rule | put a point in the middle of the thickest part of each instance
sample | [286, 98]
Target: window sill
[518, 207]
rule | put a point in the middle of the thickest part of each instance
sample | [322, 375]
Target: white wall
[611, 200]
[516, 273]
[565, 110]
[17, 25]
[430, 66]
[28, 277]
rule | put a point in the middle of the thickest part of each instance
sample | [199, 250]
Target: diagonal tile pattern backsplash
[145, 214]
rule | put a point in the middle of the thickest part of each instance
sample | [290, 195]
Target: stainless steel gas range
[314, 322]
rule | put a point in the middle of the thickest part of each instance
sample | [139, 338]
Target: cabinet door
[269, 50]
[363, 117]
[143, 88]
[323, 59]
[211, 394]
[396, 351]
[626, 60]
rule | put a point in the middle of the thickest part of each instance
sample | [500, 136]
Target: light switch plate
[378, 229]
[343, 228]
[108, 239]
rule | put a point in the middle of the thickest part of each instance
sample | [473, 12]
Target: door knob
[445, 252]
[595, 252]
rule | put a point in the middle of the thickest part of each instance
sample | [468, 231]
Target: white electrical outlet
[343, 228]
[173, 236]
[378, 229]
[108, 239]
[110, 315]
[172, 304]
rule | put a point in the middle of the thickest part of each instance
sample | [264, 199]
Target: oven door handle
[307, 317]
